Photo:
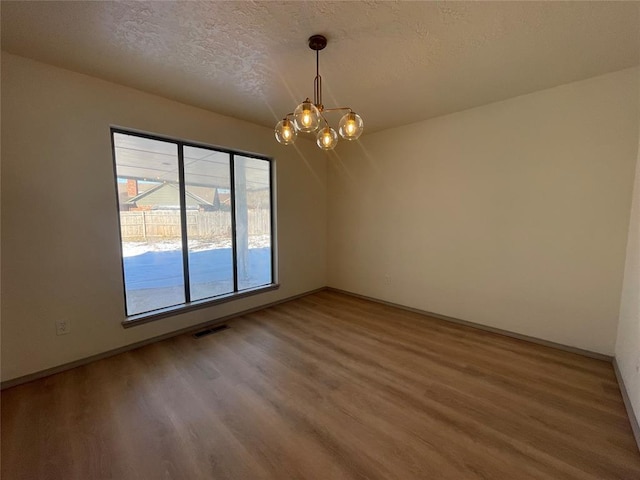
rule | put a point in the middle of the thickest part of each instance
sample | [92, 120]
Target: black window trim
[188, 305]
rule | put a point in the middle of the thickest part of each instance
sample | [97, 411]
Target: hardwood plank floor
[325, 387]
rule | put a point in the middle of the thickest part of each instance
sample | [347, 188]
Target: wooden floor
[325, 387]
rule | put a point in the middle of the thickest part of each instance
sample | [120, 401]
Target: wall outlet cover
[63, 327]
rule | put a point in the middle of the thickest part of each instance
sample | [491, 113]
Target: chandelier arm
[335, 109]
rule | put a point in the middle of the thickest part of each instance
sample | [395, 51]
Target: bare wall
[628, 341]
[512, 215]
[60, 242]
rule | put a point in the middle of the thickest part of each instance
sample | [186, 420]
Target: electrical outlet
[63, 327]
[387, 279]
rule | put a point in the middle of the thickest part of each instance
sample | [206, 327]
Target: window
[195, 223]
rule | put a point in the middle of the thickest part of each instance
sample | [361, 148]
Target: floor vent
[209, 331]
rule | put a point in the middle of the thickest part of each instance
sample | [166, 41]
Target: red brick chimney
[132, 188]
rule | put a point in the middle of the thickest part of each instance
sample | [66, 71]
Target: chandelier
[309, 117]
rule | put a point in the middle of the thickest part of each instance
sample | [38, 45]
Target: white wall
[512, 215]
[60, 241]
[628, 342]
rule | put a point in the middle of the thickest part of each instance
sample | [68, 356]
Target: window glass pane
[150, 225]
[253, 221]
[225, 243]
[209, 232]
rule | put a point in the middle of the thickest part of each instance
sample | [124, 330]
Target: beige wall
[512, 215]
[628, 342]
[60, 250]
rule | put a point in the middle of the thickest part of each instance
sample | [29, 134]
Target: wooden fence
[161, 224]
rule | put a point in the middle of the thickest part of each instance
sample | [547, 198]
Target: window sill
[142, 318]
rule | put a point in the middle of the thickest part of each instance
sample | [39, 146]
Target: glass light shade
[306, 117]
[351, 126]
[327, 138]
[285, 132]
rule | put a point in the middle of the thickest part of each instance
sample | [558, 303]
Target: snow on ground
[131, 249]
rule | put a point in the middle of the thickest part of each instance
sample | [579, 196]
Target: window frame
[188, 305]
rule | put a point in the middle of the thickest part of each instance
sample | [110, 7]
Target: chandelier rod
[317, 84]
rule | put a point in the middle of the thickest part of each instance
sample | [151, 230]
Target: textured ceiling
[392, 62]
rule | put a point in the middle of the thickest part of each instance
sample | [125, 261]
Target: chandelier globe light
[309, 116]
[351, 126]
[306, 117]
[327, 138]
[286, 132]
